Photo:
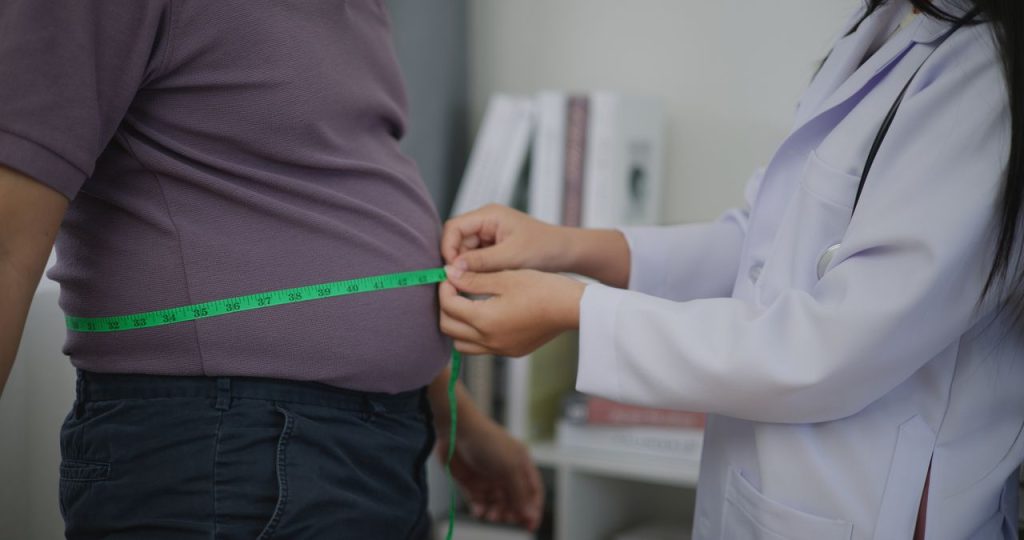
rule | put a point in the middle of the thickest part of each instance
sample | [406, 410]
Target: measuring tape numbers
[281, 297]
[250, 302]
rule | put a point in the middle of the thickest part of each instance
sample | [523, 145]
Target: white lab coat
[829, 397]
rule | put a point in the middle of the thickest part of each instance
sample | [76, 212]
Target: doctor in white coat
[864, 366]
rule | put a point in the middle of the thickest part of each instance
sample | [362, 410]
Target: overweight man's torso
[241, 147]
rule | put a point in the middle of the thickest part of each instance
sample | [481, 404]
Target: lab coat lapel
[842, 60]
[844, 78]
[834, 71]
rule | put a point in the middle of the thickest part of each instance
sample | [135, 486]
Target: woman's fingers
[476, 229]
[487, 259]
[456, 230]
[469, 243]
[466, 347]
[456, 312]
[477, 283]
[479, 225]
[459, 330]
[455, 306]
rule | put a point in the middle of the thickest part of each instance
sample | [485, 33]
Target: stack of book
[595, 423]
[596, 159]
[591, 160]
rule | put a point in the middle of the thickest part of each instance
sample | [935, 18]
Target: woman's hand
[496, 473]
[499, 238]
[523, 310]
[496, 237]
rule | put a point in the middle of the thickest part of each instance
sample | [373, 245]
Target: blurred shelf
[618, 464]
[467, 528]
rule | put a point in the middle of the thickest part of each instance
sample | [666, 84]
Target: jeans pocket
[281, 466]
[76, 477]
[79, 470]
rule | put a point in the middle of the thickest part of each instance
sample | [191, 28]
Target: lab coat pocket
[749, 515]
[830, 183]
[814, 221]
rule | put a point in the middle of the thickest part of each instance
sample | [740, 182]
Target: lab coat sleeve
[704, 257]
[903, 288]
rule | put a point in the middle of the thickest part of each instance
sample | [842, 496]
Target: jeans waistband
[106, 387]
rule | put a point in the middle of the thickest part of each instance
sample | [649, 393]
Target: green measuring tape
[249, 302]
[282, 297]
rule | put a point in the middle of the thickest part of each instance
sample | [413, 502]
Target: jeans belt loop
[223, 393]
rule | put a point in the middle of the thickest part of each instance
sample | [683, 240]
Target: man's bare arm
[30, 215]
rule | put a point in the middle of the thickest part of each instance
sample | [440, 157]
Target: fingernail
[453, 272]
[461, 264]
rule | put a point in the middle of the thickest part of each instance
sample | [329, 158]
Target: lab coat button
[755, 272]
[826, 259]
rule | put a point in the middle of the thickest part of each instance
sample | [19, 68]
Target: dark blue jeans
[147, 457]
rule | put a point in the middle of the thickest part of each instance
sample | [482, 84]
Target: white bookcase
[598, 494]
[593, 494]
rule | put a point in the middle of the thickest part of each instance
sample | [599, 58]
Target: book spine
[509, 166]
[603, 197]
[575, 159]
[498, 154]
[547, 159]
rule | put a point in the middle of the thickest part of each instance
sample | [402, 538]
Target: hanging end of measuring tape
[454, 407]
[453, 382]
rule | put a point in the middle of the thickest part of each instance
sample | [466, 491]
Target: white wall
[430, 41]
[38, 395]
[730, 72]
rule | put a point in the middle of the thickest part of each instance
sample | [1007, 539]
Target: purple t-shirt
[220, 148]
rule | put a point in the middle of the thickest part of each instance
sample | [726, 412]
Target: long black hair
[1006, 276]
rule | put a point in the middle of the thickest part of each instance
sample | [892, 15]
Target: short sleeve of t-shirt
[69, 70]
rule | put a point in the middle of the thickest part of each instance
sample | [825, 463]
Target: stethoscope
[826, 257]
